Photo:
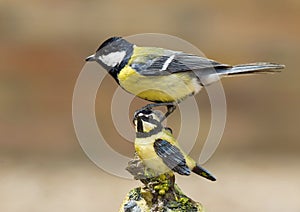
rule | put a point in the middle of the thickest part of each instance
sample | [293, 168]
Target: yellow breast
[145, 150]
[170, 88]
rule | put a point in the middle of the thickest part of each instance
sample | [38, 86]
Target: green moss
[159, 193]
[135, 194]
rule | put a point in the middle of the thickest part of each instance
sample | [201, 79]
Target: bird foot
[170, 109]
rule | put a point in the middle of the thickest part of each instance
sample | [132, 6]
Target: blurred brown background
[43, 46]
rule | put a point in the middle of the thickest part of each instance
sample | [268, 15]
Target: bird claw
[148, 109]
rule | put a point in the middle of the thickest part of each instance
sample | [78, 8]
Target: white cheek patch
[148, 126]
[112, 59]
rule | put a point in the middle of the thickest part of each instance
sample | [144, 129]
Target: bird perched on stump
[163, 76]
[159, 150]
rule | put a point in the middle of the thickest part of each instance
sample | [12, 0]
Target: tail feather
[251, 68]
[204, 173]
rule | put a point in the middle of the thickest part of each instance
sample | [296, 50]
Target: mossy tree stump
[159, 193]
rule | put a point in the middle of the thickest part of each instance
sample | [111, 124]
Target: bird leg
[170, 110]
[171, 106]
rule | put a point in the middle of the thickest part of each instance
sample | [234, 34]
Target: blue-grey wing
[174, 62]
[171, 156]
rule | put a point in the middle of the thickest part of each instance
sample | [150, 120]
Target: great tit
[164, 76]
[159, 150]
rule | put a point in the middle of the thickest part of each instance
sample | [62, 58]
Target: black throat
[114, 72]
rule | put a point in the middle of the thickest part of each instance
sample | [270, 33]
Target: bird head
[147, 120]
[113, 54]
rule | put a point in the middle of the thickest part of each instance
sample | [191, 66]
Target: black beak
[90, 58]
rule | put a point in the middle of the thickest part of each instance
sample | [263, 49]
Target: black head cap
[148, 115]
[108, 41]
[114, 44]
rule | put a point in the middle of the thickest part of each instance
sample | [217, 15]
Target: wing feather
[173, 62]
[171, 156]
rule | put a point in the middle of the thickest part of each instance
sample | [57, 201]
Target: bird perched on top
[159, 150]
[164, 76]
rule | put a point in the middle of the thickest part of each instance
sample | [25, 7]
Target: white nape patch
[156, 115]
[112, 59]
[167, 63]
